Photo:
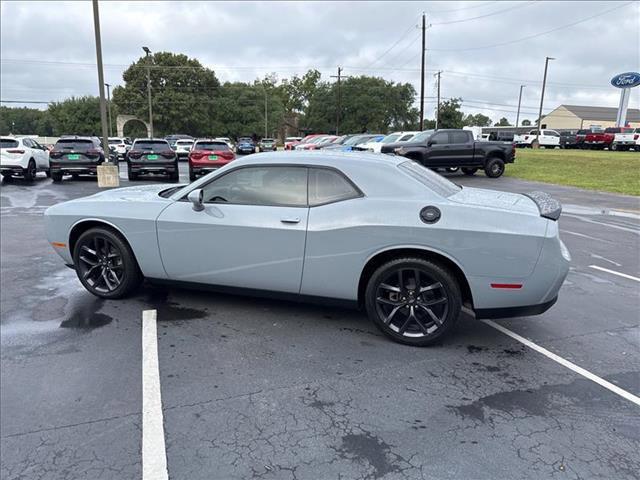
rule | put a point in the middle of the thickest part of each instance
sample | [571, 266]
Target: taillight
[196, 154]
[92, 153]
[636, 136]
[167, 153]
[227, 155]
[15, 151]
[55, 154]
[135, 154]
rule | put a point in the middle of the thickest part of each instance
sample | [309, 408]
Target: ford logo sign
[626, 80]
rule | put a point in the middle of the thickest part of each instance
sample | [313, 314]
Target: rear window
[8, 143]
[115, 141]
[429, 178]
[268, 140]
[612, 130]
[150, 145]
[211, 146]
[74, 144]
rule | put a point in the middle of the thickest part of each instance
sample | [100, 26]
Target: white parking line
[613, 272]
[571, 366]
[154, 456]
[617, 227]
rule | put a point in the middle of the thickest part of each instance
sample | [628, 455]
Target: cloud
[245, 40]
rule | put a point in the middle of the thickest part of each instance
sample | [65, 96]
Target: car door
[460, 150]
[250, 234]
[438, 149]
[41, 155]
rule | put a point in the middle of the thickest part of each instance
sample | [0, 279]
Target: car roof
[323, 157]
[150, 140]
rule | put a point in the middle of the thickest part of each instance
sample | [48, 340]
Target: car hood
[390, 147]
[142, 193]
[514, 202]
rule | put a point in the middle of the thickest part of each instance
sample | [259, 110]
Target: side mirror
[196, 198]
[430, 143]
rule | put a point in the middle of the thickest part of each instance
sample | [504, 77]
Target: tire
[175, 176]
[105, 263]
[452, 169]
[614, 147]
[48, 172]
[131, 175]
[535, 144]
[494, 167]
[390, 304]
[56, 177]
[192, 176]
[29, 173]
[469, 170]
[75, 176]
[7, 178]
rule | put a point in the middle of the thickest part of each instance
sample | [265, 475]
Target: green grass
[606, 171]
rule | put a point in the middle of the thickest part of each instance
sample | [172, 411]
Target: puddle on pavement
[84, 315]
[158, 298]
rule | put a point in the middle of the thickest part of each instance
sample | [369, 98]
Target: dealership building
[573, 117]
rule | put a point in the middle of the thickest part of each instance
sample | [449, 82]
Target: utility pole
[544, 84]
[519, 100]
[147, 51]
[424, 31]
[103, 106]
[438, 107]
[266, 129]
[339, 77]
[109, 108]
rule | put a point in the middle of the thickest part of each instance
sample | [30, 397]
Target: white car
[626, 140]
[548, 139]
[22, 156]
[226, 140]
[183, 147]
[121, 145]
[376, 147]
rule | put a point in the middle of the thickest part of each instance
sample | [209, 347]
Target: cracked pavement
[254, 388]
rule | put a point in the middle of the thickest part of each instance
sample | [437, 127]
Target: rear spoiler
[549, 207]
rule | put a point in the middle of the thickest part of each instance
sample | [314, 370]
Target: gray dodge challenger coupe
[376, 231]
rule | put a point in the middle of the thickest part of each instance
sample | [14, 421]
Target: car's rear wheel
[413, 301]
[131, 174]
[192, 175]
[56, 177]
[7, 177]
[469, 170]
[175, 176]
[105, 263]
[29, 173]
[494, 167]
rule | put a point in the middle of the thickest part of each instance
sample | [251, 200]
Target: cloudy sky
[485, 49]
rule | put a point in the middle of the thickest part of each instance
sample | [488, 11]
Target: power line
[535, 35]
[464, 8]
[411, 27]
[497, 12]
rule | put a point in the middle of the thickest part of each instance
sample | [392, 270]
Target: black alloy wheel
[413, 301]
[494, 167]
[30, 171]
[105, 263]
[469, 170]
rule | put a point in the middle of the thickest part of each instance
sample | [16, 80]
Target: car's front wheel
[56, 177]
[412, 300]
[105, 263]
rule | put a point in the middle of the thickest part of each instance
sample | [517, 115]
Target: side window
[440, 138]
[405, 137]
[328, 186]
[273, 185]
[28, 143]
[459, 137]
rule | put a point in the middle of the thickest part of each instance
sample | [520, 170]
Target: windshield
[429, 178]
[8, 143]
[354, 140]
[422, 136]
[391, 138]
[74, 144]
[220, 146]
[150, 145]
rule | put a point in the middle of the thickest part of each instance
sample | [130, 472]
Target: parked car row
[612, 138]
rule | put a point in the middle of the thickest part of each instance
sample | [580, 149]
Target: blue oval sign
[626, 80]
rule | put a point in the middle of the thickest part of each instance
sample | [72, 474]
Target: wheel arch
[495, 153]
[442, 259]
[83, 225]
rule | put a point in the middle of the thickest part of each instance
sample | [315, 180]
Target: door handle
[290, 220]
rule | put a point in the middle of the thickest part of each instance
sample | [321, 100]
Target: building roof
[600, 113]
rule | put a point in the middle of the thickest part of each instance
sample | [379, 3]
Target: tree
[450, 114]
[184, 93]
[477, 120]
[76, 116]
[24, 121]
[503, 122]
[526, 123]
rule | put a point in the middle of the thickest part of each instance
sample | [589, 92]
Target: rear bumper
[77, 168]
[11, 170]
[156, 167]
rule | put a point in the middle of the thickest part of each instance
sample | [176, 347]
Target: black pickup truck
[456, 148]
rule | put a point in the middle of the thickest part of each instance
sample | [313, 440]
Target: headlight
[565, 251]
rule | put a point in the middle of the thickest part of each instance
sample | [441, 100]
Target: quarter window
[274, 185]
[327, 186]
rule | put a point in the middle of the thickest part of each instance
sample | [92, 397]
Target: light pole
[544, 84]
[103, 107]
[148, 52]
[519, 100]
[109, 108]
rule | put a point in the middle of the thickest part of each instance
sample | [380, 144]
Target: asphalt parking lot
[253, 388]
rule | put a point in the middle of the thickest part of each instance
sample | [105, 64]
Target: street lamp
[544, 84]
[148, 52]
[109, 108]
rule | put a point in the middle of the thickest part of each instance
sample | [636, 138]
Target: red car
[316, 142]
[208, 155]
[604, 139]
[292, 145]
